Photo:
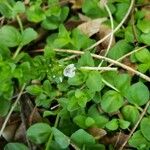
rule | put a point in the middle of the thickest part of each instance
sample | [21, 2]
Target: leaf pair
[11, 37]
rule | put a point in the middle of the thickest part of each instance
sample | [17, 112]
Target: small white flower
[69, 71]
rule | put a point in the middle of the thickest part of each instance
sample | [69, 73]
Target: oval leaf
[111, 101]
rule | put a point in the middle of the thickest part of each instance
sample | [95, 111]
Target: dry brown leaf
[146, 11]
[127, 62]
[103, 31]
[91, 27]
[84, 18]
[98, 133]
[116, 140]
[77, 4]
[9, 132]
[71, 24]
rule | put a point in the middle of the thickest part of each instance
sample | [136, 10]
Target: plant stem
[136, 125]
[17, 17]
[98, 68]
[51, 135]
[11, 110]
[128, 54]
[17, 52]
[107, 59]
[116, 29]
[110, 85]
[112, 28]
[20, 23]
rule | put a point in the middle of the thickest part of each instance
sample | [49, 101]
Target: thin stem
[107, 59]
[20, 23]
[110, 85]
[134, 27]
[69, 58]
[112, 28]
[136, 125]
[17, 17]
[98, 68]
[116, 29]
[17, 52]
[128, 54]
[11, 110]
[51, 136]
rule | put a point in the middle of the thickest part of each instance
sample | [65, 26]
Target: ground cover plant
[74, 74]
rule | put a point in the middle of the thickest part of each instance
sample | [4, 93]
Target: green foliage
[34, 37]
[119, 49]
[143, 57]
[138, 141]
[133, 111]
[28, 35]
[15, 146]
[94, 81]
[111, 101]
[60, 138]
[138, 94]
[92, 9]
[10, 36]
[39, 133]
[77, 137]
[145, 127]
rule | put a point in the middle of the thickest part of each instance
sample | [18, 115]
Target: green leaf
[63, 37]
[92, 9]
[122, 82]
[138, 141]
[145, 38]
[39, 133]
[80, 121]
[144, 67]
[123, 124]
[73, 104]
[49, 53]
[144, 126]
[61, 138]
[4, 51]
[143, 55]
[100, 120]
[47, 88]
[129, 36]
[28, 35]
[42, 100]
[119, 49]
[50, 23]
[78, 79]
[15, 146]
[81, 137]
[94, 81]
[133, 111]
[121, 11]
[86, 60]
[96, 147]
[80, 41]
[138, 94]
[35, 14]
[112, 125]
[89, 121]
[10, 36]
[5, 11]
[34, 89]
[111, 101]
[4, 105]
[144, 25]
[19, 7]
